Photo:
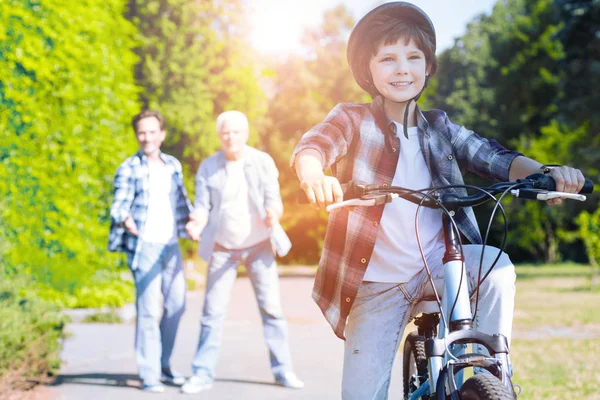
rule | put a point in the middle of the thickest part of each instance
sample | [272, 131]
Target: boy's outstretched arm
[569, 180]
[320, 189]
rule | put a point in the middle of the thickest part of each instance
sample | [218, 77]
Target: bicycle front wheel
[414, 364]
[485, 387]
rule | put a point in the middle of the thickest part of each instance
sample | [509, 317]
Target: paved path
[99, 360]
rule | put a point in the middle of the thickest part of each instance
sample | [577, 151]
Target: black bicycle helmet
[400, 11]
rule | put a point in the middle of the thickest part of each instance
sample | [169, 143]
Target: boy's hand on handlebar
[322, 190]
[569, 180]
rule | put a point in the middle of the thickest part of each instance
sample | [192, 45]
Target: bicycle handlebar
[534, 187]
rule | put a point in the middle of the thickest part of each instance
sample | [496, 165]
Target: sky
[277, 24]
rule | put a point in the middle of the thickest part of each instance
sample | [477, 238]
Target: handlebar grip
[547, 182]
[588, 187]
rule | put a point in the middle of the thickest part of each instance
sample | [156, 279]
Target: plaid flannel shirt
[449, 151]
[131, 194]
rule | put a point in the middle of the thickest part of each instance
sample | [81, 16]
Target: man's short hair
[230, 116]
[148, 114]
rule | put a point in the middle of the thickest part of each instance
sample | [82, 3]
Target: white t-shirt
[240, 225]
[396, 256]
[162, 191]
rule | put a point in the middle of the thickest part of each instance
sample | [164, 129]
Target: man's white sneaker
[289, 380]
[172, 377]
[196, 384]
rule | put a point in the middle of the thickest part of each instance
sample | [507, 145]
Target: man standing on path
[236, 214]
[149, 212]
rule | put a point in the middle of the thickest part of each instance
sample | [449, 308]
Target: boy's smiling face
[398, 70]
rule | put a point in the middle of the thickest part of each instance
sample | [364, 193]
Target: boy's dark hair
[148, 114]
[385, 25]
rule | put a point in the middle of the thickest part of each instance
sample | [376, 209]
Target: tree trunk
[595, 277]
[552, 244]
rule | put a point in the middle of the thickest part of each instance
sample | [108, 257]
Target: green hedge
[67, 94]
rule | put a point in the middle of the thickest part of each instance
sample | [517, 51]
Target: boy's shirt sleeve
[332, 137]
[485, 157]
[124, 191]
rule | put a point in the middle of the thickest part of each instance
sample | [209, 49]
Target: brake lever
[545, 195]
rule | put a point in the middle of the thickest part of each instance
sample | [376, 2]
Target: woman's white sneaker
[196, 384]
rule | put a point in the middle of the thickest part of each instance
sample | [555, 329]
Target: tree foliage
[66, 95]
[516, 75]
[193, 65]
[589, 231]
[305, 87]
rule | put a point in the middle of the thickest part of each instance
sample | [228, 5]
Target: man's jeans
[381, 311]
[222, 272]
[160, 296]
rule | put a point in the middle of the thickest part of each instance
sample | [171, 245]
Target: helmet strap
[405, 124]
[407, 107]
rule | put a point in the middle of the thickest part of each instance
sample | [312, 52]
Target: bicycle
[435, 355]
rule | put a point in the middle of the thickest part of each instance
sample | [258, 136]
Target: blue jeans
[160, 302]
[381, 311]
[221, 274]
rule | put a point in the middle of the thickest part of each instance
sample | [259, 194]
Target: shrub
[31, 330]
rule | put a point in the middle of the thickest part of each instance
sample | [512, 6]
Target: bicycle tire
[485, 387]
[414, 364]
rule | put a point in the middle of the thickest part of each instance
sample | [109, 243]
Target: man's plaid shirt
[131, 186]
[449, 151]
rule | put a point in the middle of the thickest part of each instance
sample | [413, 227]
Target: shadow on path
[129, 380]
[246, 382]
[99, 379]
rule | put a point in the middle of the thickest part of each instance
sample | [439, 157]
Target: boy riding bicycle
[371, 271]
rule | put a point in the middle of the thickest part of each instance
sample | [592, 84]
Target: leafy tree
[193, 64]
[66, 93]
[589, 231]
[306, 87]
[540, 227]
[527, 87]
[581, 62]
[462, 87]
[506, 78]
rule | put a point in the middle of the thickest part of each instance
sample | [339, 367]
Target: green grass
[556, 340]
[557, 368]
[110, 317]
